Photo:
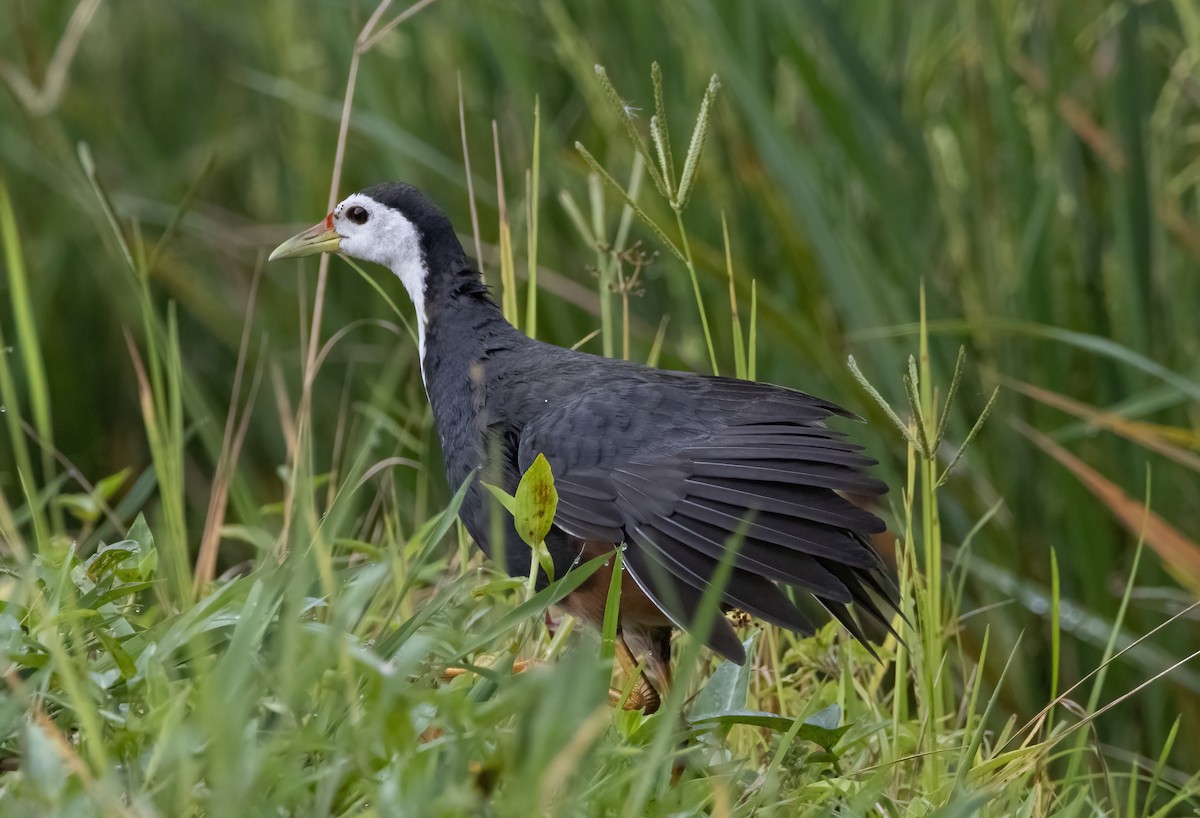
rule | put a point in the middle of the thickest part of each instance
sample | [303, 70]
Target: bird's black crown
[418, 208]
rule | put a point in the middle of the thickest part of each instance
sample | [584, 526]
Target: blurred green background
[1034, 164]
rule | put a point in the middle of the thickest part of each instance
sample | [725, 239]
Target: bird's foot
[642, 697]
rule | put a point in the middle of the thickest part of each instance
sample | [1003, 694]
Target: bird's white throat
[413, 277]
[412, 273]
[388, 238]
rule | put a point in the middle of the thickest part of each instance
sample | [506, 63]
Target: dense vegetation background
[1034, 166]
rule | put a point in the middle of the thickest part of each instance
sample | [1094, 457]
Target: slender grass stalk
[741, 368]
[232, 439]
[977, 736]
[752, 340]
[656, 347]
[533, 197]
[1055, 630]
[508, 264]
[934, 623]
[604, 266]
[1159, 767]
[22, 460]
[27, 342]
[691, 268]
[1102, 674]
[466, 153]
[620, 243]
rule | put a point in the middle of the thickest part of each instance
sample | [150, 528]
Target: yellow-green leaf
[536, 502]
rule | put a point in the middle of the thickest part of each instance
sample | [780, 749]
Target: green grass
[229, 569]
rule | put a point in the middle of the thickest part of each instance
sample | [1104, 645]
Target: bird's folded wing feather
[680, 469]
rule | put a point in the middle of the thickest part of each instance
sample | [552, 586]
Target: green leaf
[827, 719]
[498, 587]
[503, 498]
[11, 635]
[727, 688]
[536, 502]
[109, 486]
[41, 763]
[257, 537]
[820, 728]
[108, 559]
[82, 507]
[754, 718]
[89, 507]
[139, 532]
[102, 599]
[120, 656]
[571, 208]
[147, 563]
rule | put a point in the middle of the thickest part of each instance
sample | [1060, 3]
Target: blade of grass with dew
[27, 341]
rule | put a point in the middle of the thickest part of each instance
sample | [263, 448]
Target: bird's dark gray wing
[678, 467]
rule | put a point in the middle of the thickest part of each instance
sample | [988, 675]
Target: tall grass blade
[741, 368]
[508, 264]
[533, 197]
[27, 342]
[1180, 553]
[23, 463]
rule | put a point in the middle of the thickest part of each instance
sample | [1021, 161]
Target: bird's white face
[365, 229]
[375, 232]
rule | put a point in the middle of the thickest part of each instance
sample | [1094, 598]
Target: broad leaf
[820, 728]
[536, 502]
[727, 688]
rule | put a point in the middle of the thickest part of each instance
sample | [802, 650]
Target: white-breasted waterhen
[676, 466]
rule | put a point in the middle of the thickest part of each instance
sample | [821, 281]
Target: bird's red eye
[357, 214]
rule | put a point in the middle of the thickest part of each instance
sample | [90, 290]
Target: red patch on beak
[329, 221]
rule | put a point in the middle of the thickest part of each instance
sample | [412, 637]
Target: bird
[673, 468]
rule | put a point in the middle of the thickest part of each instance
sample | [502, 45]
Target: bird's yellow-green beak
[320, 238]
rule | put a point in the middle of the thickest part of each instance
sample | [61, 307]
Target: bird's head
[393, 224]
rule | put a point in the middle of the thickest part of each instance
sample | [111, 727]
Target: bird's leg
[643, 696]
